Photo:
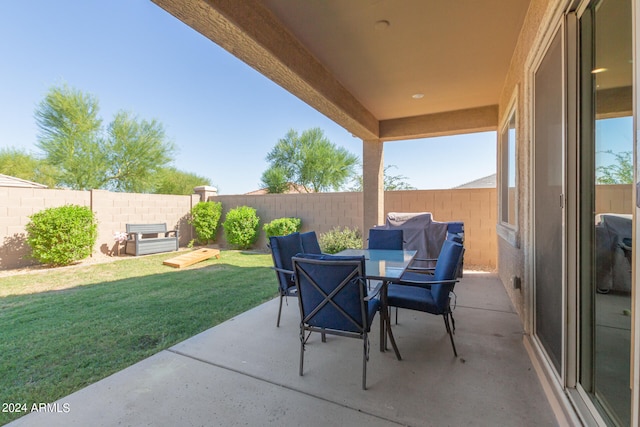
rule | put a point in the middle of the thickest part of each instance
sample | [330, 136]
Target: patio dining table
[387, 266]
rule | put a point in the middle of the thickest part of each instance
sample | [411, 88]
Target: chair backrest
[283, 248]
[446, 269]
[380, 238]
[310, 243]
[331, 291]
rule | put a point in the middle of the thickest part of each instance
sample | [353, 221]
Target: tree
[309, 161]
[70, 137]
[391, 182]
[620, 172]
[124, 158]
[19, 163]
[170, 180]
[275, 180]
[135, 151]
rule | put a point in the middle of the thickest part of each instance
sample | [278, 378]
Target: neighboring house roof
[12, 181]
[484, 182]
[293, 189]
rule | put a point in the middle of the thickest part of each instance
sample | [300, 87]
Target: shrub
[204, 218]
[282, 226]
[63, 235]
[241, 226]
[337, 240]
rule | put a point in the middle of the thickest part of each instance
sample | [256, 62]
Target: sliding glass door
[606, 168]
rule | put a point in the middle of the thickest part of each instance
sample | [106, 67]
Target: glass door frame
[557, 29]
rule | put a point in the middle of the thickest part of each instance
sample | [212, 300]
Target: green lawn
[64, 329]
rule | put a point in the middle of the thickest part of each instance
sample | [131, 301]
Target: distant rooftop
[293, 189]
[12, 181]
[485, 182]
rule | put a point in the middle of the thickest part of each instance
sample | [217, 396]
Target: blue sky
[223, 116]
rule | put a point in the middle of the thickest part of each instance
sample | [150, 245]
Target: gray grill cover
[420, 232]
[613, 252]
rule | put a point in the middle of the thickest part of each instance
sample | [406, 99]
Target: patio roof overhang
[361, 62]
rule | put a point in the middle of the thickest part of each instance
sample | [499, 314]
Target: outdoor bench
[143, 239]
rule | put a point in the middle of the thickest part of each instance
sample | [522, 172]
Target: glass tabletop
[382, 264]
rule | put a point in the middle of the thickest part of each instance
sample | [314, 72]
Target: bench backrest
[147, 228]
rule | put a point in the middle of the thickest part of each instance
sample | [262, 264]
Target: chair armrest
[425, 270]
[373, 292]
[426, 259]
[132, 236]
[282, 270]
[426, 282]
[175, 232]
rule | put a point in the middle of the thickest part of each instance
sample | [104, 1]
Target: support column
[372, 184]
[204, 191]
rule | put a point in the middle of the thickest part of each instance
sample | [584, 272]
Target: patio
[245, 372]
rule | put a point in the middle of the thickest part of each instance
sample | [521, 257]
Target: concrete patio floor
[245, 372]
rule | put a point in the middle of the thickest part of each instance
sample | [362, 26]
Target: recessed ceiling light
[598, 70]
[383, 24]
[417, 95]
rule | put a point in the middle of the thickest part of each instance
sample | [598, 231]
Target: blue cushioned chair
[380, 238]
[333, 300]
[431, 294]
[283, 248]
[310, 243]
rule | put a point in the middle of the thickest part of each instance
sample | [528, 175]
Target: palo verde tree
[170, 180]
[19, 163]
[391, 182]
[619, 172]
[310, 161]
[125, 157]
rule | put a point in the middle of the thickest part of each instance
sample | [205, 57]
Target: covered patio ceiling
[365, 63]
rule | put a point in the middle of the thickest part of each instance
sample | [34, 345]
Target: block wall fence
[321, 212]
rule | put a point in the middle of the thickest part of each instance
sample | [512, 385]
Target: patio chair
[380, 238]
[433, 295]
[283, 248]
[333, 300]
[310, 243]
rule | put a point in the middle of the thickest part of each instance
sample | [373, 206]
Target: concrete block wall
[113, 211]
[16, 205]
[476, 207]
[320, 212]
[323, 211]
[616, 198]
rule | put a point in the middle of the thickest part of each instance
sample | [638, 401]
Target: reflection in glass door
[606, 177]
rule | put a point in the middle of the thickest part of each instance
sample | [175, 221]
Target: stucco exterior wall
[512, 257]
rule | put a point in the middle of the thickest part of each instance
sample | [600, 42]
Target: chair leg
[453, 322]
[446, 324]
[396, 315]
[324, 336]
[301, 349]
[365, 357]
[279, 312]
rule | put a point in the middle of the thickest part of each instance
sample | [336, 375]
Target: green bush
[63, 235]
[204, 218]
[337, 240]
[282, 226]
[241, 226]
